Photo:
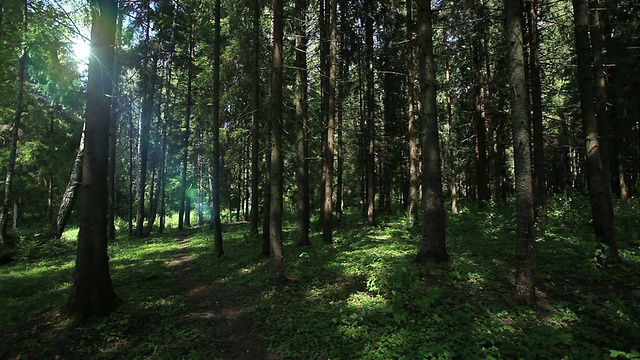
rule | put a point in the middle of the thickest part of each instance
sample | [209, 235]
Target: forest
[316, 179]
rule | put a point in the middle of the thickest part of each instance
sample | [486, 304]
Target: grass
[362, 297]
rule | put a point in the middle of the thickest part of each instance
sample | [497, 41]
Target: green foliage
[362, 297]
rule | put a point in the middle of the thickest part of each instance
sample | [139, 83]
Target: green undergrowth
[150, 321]
[361, 297]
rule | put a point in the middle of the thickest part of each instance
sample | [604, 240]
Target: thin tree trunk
[599, 187]
[525, 237]
[68, 198]
[131, 146]
[327, 228]
[414, 171]
[600, 78]
[15, 130]
[433, 239]
[145, 126]
[276, 269]
[302, 167]
[92, 291]
[540, 176]
[370, 117]
[215, 211]
[113, 135]
[187, 133]
[255, 121]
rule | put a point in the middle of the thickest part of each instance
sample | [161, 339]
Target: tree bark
[534, 67]
[15, 130]
[599, 187]
[68, 198]
[187, 133]
[414, 172]
[215, 211]
[113, 134]
[433, 238]
[525, 237]
[276, 269]
[302, 167]
[255, 121]
[327, 228]
[145, 127]
[92, 291]
[370, 117]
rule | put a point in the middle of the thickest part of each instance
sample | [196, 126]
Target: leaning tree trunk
[525, 237]
[13, 146]
[68, 198]
[433, 238]
[599, 187]
[92, 292]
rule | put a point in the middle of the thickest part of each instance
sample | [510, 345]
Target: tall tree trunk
[15, 130]
[68, 198]
[276, 269]
[327, 229]
[525, 237]
[255, 121]
[215, 211]
[92, 291]
[600, 78]
[433, 238]
[540, 176]
[302, 167]
[370, 117]
[131, 147]
[113, 134]
[414, 171]
[145, 127]
[599, 187]
[480, 115]
[187, 133]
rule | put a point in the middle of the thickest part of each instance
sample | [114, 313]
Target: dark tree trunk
[15, 130]
[600, 78]
[302, 170]
[327, 228]
[370, 118]
[599, 187]
[525, 237]
[185, 140]
[92, 291]
[255, 121]
[433, 238]
[534, 67]
[113, 135]
[145, 127]
[215, 211]
[69, 197]
[131, 147]
[414, 171]
[276, 269]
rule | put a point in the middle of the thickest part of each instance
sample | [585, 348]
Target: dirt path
[231, 324]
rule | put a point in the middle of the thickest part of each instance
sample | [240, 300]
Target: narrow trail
[230, 324]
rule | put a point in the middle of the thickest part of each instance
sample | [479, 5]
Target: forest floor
[361, 297]
[231, 323]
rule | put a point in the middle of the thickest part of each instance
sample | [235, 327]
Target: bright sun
[81, 50]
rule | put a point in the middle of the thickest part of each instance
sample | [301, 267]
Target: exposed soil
[230, 324]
